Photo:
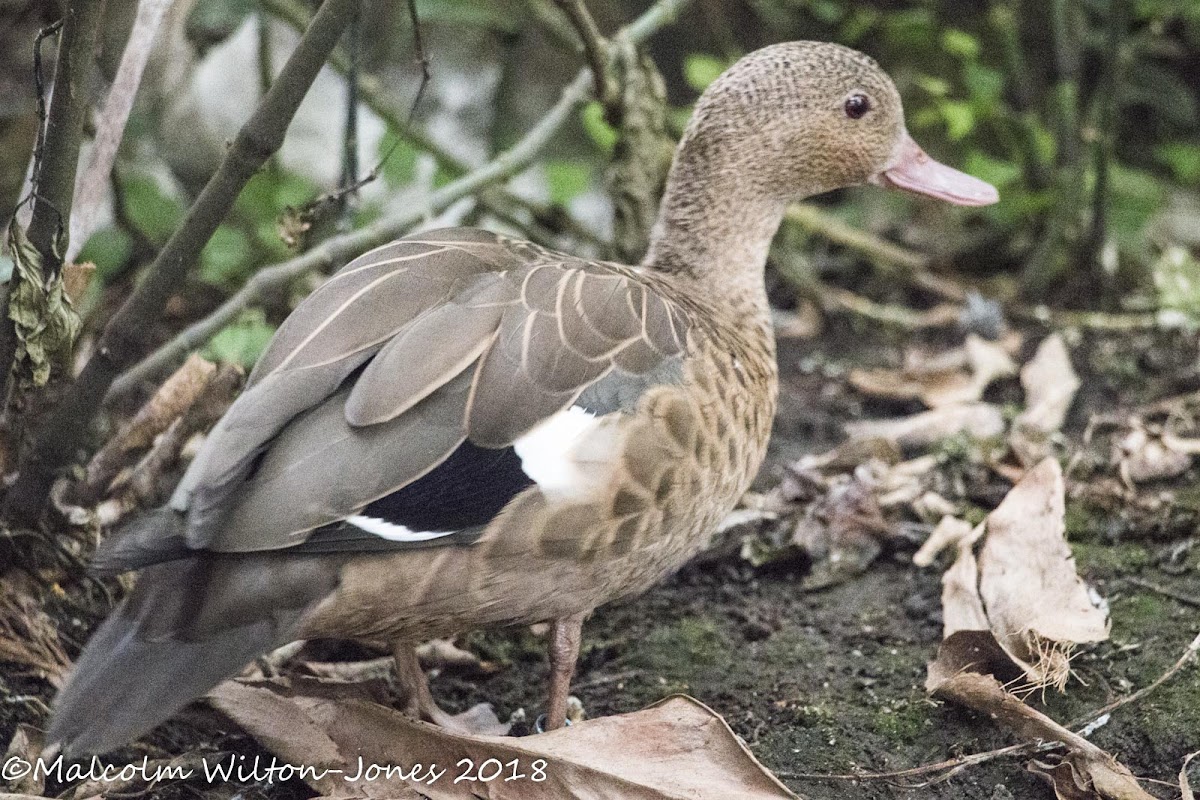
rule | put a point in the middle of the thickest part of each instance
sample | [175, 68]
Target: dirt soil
[832, 681]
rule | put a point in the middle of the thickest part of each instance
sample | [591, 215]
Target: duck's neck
[715, 225]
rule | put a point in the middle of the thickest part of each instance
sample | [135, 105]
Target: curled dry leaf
[842, 533]
[1144, 455]
[445, 654]
[978, 420]
[949, 531]
[959, 376]
[172, 399]
[1085, 773]
[26, 744]
[1185, 786]
[1050, 384]
[1037, 606]
[676, 748]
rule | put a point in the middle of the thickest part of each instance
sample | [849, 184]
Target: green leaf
[400, 168]
[959, 118]
[998, 172]
[1136, 197]
[243, 341]
[568, 179]
[603, 135]
[226, 259]
[701, 69]
[150, 209]
[938, 87]
[960, 43]
[1177, 279]
[1183, 159]
[108, 249]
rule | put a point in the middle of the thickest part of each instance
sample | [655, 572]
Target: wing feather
[404, 354]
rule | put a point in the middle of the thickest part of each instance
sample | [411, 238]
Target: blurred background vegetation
[1085, 114]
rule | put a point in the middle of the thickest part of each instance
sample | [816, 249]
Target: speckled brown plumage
[419, 366]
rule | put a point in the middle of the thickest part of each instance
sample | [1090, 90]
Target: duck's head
[803, 118]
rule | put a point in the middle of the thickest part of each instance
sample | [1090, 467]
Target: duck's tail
[188, 624]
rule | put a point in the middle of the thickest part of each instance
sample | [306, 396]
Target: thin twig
[337, 250]
[1165, 591]
[66, 426]
[497, 200]
[422, 59]
[89, 192]
[1189, 655]
[595, 47]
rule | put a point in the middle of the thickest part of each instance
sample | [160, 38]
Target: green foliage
[603, 135]
[568, 178]
[243, 341]
[400, 167]
[150, 209]
[701, 69]
[109, 249]
[1183, 159]
[227, 257]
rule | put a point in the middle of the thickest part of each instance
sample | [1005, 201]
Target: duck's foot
[479, 720]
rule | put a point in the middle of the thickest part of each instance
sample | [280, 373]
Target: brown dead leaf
[1036, 604]
[958, 376]
[26, 744]
[979, 420]
[1050, 384]
[949, 531]
[1092, 774]
[842, 532]
[1145, 454]
[445, 654]
[674, 749]
[1185, 786]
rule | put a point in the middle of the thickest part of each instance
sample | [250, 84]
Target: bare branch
[90, 189]
[595, 48]
[65, 426]
[497, 199]
[55, 171]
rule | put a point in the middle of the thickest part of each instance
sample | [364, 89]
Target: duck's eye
[857, 105]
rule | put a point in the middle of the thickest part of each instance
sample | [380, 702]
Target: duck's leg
[565, 635]
[419, 702]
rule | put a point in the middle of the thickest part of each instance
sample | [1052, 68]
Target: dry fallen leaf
[958, 376]
[1036, 604]
[1050, 384]
[1089, 774]
[979, 420]
[674, 749]
[950, 530]
[1185, 786]
[1144, 455]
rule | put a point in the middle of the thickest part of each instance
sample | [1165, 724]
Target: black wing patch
[462, 494]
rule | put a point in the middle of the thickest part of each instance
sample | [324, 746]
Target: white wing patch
[393, 532]
[569, 455]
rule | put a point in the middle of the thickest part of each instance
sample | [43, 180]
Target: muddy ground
[832, 681]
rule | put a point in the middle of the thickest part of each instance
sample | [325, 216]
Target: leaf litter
[683, 749]
[1013, 616]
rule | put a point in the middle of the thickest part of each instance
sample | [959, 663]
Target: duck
[462, 430]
